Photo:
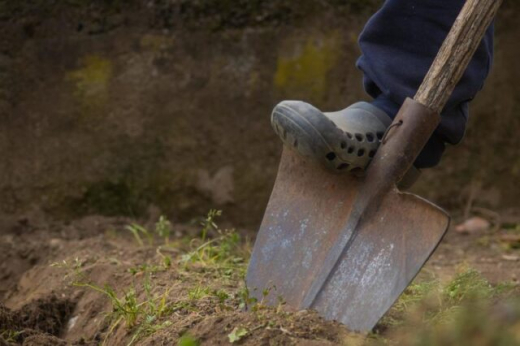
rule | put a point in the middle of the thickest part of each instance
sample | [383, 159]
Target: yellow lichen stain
[304, 73]
[515, 170]
[91, 81]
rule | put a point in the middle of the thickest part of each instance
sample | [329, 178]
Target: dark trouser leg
[399, 44]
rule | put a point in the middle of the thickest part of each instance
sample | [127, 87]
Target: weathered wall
[109, 107]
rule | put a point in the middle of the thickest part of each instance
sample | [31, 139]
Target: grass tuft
[188, 340]
[223, 254]
[162, 229]
[430, 313]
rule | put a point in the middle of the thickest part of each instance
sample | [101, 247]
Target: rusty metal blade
[308, 216]
[303, 220]
[386, 252]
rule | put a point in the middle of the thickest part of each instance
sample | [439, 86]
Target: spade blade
[318, 249]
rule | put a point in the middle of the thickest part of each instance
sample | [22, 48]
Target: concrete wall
[112, 109]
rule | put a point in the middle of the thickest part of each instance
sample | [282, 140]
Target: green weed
[221, 295]
[188, 340]
[162, 229]
[208, 223]
[73, 269]
[198, 292]
[148, 327]
[467, 284]
[221, 253]
[237, 334]
[9, 335]
[138, 230]
[144, 268]
[166, 259]
[245, 299]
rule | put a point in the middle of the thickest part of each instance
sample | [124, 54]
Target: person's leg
[399, 44]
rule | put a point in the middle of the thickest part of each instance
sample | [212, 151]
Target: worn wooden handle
[456, 53]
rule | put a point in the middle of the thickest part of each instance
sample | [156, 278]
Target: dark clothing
[399, 43]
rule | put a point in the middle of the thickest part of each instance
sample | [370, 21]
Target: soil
[39, 306]
[151, 97]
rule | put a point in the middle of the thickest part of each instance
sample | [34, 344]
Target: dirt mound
[113, 281]
[110, 280]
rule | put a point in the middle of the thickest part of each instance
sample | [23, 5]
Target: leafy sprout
[163, 228]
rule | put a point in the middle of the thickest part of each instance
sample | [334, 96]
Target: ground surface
[91, 282]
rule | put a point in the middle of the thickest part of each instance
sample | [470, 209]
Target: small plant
[467, 284]
[126, 308]
[219, 253]
[148, 327]
[245, 298]
[221, 295]
[188, 340]
[163, 228]
[138, 230]
[157, 304]
[9, 335]
[237, 334]
[198, 293]
[166, 259]
[139, 315]
[73, 270]
[208, 223]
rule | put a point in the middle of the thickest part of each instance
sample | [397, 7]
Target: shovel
[348, 247]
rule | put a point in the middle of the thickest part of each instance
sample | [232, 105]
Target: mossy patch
[305, 72]
[91, 82]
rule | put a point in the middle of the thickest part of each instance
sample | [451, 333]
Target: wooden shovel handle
[456, 53]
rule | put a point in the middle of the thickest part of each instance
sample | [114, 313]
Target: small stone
[473, 225]
[55, 243]
[512, 258]
[510, 238]
[72, 322]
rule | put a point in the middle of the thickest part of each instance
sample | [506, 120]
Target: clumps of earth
[38, 322]
[116, 281]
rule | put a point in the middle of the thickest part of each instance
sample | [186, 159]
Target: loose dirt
[56, 280]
